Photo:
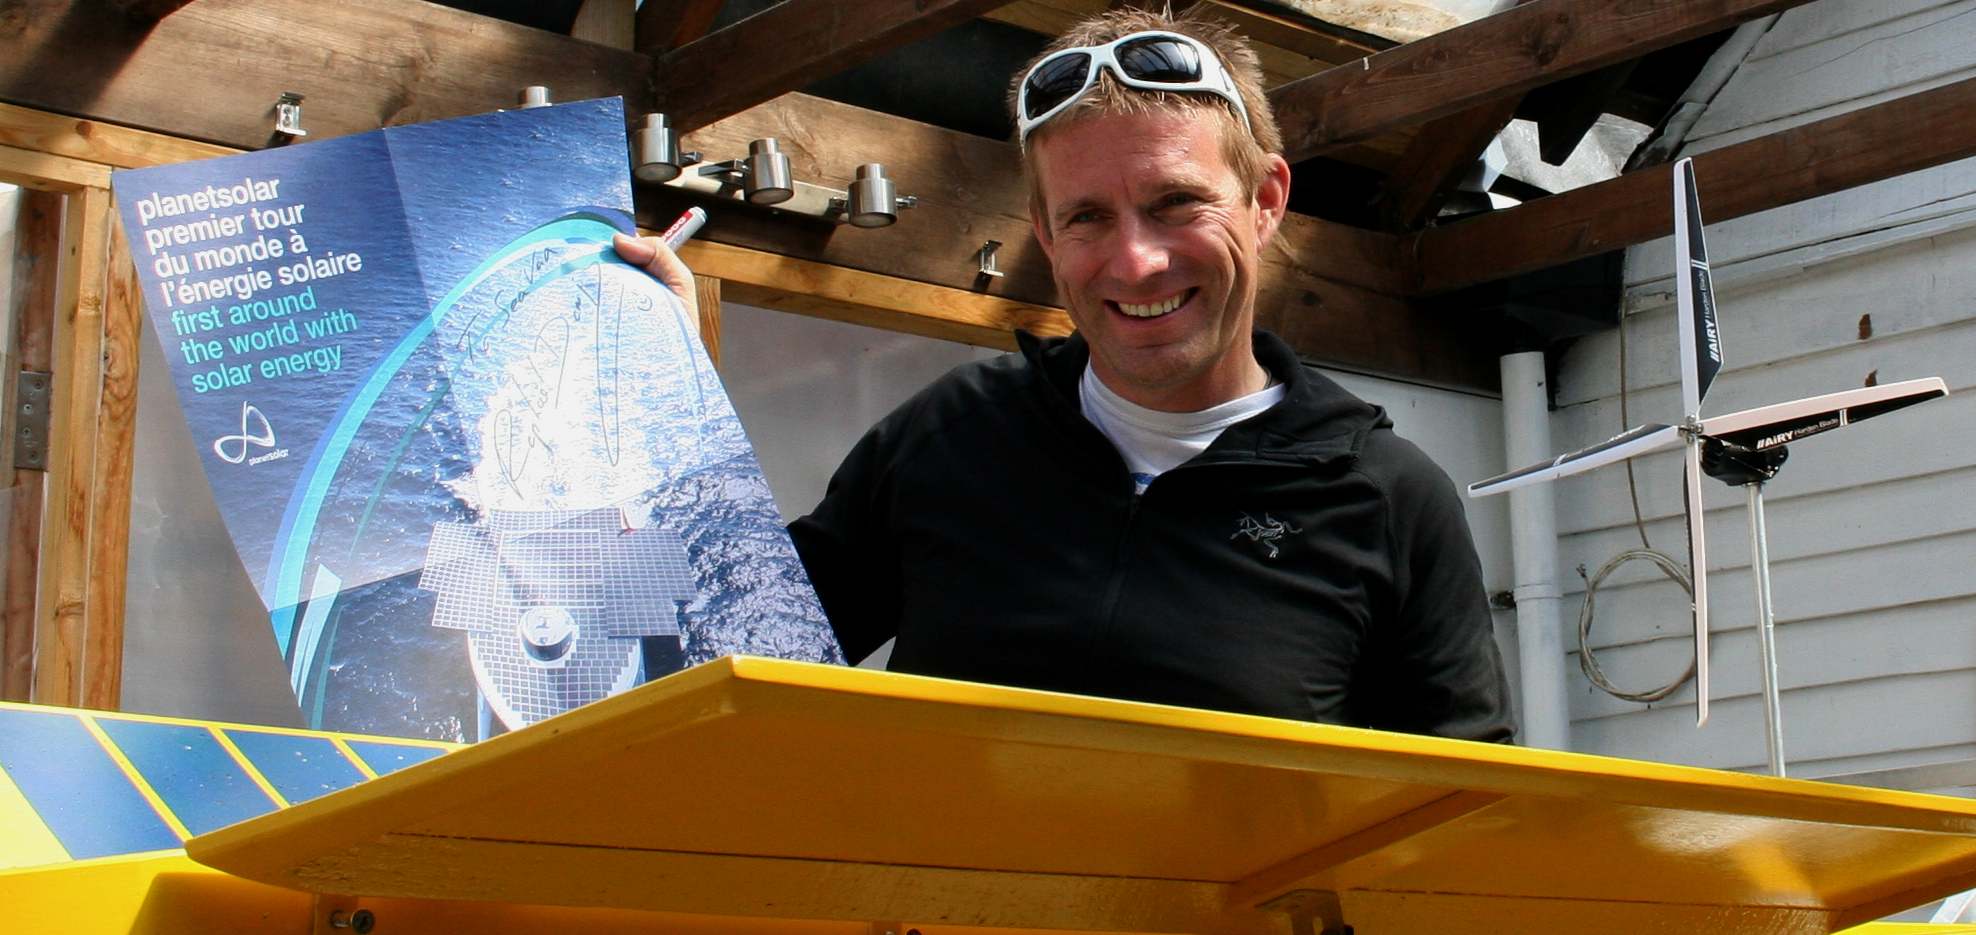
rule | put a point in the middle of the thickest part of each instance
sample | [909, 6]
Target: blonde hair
[1246, 149]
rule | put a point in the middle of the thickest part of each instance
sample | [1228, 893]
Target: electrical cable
[1668, 565]
[1588, 663]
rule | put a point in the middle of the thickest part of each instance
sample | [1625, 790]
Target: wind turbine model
[1740, 449]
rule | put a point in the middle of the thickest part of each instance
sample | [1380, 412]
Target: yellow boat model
[750, 795]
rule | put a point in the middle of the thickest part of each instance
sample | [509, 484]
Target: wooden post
[109, 505]
[37, 249]
[62, 620]
[706, 289]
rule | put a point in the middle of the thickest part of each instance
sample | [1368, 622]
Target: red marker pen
[683, 229]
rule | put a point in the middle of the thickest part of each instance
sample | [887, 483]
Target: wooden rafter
[606, 22]
[665, 25]
[789, 46]
[1436, 159]
[1441, 153]
[1494, 57]
[214, 70]
[1884, 140]
[149, 11]
[1262, 24]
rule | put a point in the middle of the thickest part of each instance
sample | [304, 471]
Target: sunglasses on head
[1148, 61]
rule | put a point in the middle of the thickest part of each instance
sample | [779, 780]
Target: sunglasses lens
[1054, 81]
[1161, 60]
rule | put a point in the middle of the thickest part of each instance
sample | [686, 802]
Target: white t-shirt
[1154, 442]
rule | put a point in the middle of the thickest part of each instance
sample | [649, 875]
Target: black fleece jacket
[1309, 564]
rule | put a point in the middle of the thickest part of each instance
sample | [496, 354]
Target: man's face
[1155, 251]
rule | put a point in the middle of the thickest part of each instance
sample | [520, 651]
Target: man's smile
[1156, 308]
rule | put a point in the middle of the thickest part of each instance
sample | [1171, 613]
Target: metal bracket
[1311, 912]
[984, 264]
[32, 391]
[724, 179]
[288, 114]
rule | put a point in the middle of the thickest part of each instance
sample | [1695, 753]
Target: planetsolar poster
[479, 470]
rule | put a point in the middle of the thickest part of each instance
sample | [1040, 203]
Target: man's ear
[1272, 198]
[1042, 229]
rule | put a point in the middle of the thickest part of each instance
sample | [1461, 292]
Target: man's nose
[1141, 252]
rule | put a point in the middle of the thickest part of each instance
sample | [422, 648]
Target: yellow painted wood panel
[759, 787]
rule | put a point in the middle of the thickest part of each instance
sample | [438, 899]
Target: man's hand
[651, 255]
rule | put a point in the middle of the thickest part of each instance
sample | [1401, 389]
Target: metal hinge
[31, 395]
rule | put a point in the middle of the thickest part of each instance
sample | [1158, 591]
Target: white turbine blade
[1632, 443]
[1783, 423]
[1700, 346]
[1698, 571]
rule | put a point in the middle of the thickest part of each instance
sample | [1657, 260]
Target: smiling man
[1167, 506]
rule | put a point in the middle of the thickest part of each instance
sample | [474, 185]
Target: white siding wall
[1873, 529]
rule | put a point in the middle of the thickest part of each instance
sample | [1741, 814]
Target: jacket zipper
[1117, 582]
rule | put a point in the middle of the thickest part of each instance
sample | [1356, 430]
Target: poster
[479, 470]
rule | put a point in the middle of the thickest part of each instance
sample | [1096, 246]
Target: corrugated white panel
[1893, 714]
[1812, 655]
[1873, 528]
[1902, 51]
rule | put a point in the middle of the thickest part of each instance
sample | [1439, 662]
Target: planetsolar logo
[254, 431]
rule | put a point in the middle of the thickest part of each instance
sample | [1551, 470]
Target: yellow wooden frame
[759, 787]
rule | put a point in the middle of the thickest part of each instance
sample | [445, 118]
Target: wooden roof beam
[665, 25]
[1498, 56]
[212, 71]
[1441, 153]
[149, 11]
[605, 22]
[1437, 158]
[1891, 138]
[791, 45]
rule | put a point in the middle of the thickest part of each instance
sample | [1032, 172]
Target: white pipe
[1533, 542]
